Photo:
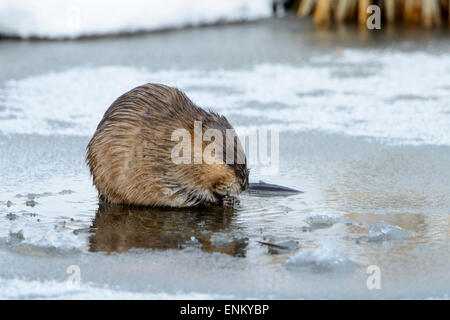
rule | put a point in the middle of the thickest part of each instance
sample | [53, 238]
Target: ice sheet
[393, 100]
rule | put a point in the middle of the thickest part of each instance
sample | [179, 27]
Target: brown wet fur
[129, 155]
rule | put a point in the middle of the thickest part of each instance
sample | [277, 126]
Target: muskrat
[130, 154]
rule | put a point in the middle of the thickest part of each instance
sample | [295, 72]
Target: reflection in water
[120, 228]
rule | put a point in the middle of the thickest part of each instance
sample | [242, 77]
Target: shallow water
[364, 127]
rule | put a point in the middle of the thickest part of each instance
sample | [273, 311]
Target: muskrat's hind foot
[229, 202]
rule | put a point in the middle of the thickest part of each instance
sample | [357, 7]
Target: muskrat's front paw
[229, 202]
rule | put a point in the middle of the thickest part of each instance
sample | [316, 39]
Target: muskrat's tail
[268, 188]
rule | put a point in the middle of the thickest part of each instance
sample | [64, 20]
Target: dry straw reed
[428, 13]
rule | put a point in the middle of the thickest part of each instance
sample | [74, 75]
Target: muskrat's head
[228, 187]
[230, 182]
[242, 173]
[233, 176]
[220, 175]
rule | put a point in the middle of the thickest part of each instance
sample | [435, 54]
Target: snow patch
[56, 19]
[34, 289]
[397, 102]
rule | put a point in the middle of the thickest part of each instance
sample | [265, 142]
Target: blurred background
[72, 19]
[358, 90]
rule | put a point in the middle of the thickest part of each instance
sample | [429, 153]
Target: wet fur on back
[129, 155]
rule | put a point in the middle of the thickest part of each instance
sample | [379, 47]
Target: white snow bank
[56, 19]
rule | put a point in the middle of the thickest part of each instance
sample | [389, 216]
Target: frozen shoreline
[53, 19]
